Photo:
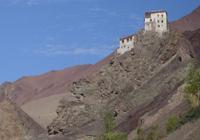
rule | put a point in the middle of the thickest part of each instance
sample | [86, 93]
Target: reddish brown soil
[55, 82]
[190, 22]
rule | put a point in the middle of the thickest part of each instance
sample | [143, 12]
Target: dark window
[162, 15]
[162, 21]
[150, 19]
[158, 21]
[180, 59]
[122, 41]
[158, 26]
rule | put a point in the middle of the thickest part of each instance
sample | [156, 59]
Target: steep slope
[127, 86]
[190, 131]
[16, 125]
[43, 110]
[194, 38]
[35, 93]
[190, 22]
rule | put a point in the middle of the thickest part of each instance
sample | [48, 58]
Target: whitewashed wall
[157, 22]
[126, 45]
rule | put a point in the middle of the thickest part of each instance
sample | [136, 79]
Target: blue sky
[37, 36]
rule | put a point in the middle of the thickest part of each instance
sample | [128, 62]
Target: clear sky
[37, 36]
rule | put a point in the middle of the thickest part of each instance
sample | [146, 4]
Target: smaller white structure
[156, 21]
[126, 44]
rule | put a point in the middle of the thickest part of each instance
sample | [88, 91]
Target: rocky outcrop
[128, 86]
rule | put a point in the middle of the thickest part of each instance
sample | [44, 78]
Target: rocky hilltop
[129, 86]
[141, 88]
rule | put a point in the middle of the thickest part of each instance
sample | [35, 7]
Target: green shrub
[109, 122]
[191, 115]
[192, 87]
[110, 134]
[153, 134]
[140, 134]
[172, 124]
[115, 136]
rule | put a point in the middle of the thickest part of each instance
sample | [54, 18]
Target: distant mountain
[33, 94]
[189, 22]
[52, 83]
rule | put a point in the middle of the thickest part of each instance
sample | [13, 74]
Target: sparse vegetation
[140, 134]
[192, 87]
[191, 115]
[153, 134]
[110, 134]
[192, 90]
[172, 124]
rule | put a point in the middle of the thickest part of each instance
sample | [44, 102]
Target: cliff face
[126, 87]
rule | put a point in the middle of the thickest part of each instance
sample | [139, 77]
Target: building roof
[147, 14]
[130, 36]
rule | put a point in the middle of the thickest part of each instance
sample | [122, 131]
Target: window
[162, 21]
[122, 41]
[158, 21]
[150, 19]
[158, 15]
[162, 15]
[180, 59]
[158, 26]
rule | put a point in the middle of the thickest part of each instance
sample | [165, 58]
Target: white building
[156, 21]
[126, 44]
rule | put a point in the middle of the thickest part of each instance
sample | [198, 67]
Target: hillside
[33, 94]
[31, 88]
[194, 36]
[144, 85]
[51, 83]
[128, 86]
[142, 89]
